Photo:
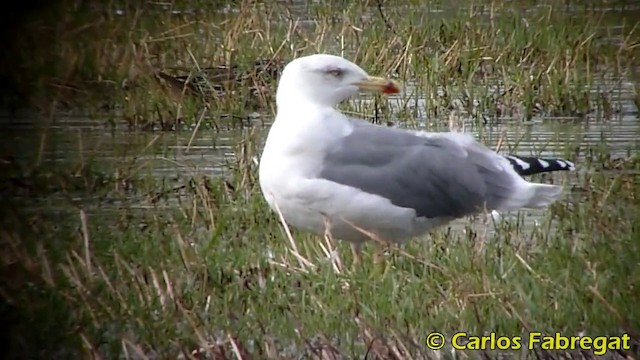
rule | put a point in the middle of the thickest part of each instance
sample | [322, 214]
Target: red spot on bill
[391, 87]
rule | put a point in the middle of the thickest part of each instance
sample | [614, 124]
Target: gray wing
[436, 176]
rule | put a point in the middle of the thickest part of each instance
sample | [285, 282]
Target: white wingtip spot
[566, 164]
[523, 164]
[543, 163]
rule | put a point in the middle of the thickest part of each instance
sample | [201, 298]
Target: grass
[105, 260]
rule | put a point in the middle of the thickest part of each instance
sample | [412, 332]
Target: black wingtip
[525, 165]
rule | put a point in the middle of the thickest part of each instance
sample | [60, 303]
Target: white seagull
[321, 168]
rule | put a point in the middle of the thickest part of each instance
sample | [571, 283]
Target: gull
[324, 171]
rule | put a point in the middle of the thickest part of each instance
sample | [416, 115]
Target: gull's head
[327, 80]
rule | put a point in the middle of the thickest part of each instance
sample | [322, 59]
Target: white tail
[532, 196]
[543, 195]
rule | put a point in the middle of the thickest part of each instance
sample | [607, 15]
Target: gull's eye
[336, 72]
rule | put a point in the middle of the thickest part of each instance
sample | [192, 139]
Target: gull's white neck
[305, 127]
[303, 119]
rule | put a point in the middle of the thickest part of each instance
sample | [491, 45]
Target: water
[72, 138]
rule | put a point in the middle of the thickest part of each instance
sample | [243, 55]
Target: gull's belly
[313, 204]
[398, 227]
